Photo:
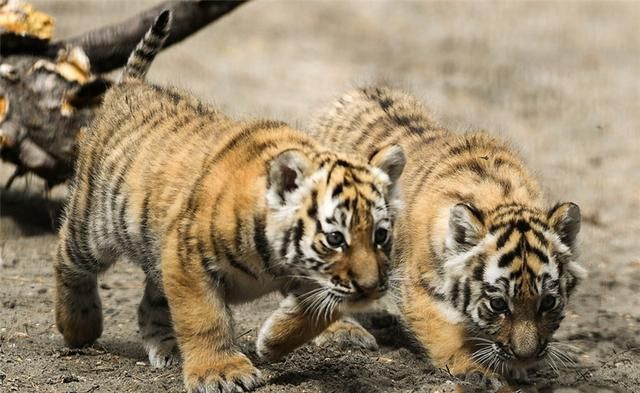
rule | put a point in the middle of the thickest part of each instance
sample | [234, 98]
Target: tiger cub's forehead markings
[352, 190]
[522, 235]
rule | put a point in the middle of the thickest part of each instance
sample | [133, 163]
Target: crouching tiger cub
[485, 268]
[216, 212]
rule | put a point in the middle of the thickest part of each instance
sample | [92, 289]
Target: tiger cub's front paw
[227, 374]
[346, 333]
[477, 381]
[78, 317]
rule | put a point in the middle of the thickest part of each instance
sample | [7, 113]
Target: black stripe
[168, 338]
[460, 148]
[221, 245]
[212, 231]
[71, 240]
[478, 272]
[146, 53]
[145, 231]
[337, 190]
[239, 230]
[423, 174]
[237, 264]
[132, 250]
[455, 293]
[160, 26]
[514, 275]
[261, 242]
[522, 226]
[540, 236]
[312, 211]
[356, 123]
[79, 237]
[71, 252]
[297, 236]
[502, 239]
[507, 258]
[539, 253]
[466, 296]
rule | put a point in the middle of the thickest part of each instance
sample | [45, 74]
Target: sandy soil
[560, 80]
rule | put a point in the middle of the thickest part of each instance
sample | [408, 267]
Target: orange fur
[217, 212]
[475, 220]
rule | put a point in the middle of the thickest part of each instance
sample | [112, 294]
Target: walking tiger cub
[217, 212]
[486, 269]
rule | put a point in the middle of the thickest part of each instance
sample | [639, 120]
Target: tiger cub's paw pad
[346, 334]
[231, 374]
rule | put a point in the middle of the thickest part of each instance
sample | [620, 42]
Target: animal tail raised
[140, 59]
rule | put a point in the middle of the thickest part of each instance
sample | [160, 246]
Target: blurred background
[559, 80]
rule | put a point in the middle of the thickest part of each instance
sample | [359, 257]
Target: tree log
[49, 91]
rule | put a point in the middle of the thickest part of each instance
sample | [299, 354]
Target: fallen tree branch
[49, 91]
[108, 48]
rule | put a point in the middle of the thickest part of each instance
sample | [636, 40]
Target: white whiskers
[556, 356]
[320, 304]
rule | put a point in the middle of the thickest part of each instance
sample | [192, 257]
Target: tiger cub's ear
[287, 172]
[390, 160]
[565, 219]
[466, 228]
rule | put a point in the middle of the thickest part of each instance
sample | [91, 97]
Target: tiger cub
[217, 212]
[486, 269]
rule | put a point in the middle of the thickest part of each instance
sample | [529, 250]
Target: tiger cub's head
[330, 221]
[510, 272]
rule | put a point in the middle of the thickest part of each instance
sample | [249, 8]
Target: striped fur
[217, 212]
[151, 44]
[485, 268]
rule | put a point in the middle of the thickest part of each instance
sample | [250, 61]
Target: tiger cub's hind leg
[156, 329]
[77, 304]
[346, 333]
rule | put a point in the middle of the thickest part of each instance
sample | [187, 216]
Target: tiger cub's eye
[381, 236]
[498, 305]
[335, 239]
[548, 302]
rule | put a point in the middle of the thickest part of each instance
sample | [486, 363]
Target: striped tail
[147, 49]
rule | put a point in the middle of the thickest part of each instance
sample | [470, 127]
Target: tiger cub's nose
[371, 288]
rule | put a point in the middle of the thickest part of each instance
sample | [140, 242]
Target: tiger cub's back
[364, 119]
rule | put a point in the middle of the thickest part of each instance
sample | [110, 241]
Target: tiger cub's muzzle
[370, 292]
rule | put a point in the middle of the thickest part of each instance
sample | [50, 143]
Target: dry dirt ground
[560, 80]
